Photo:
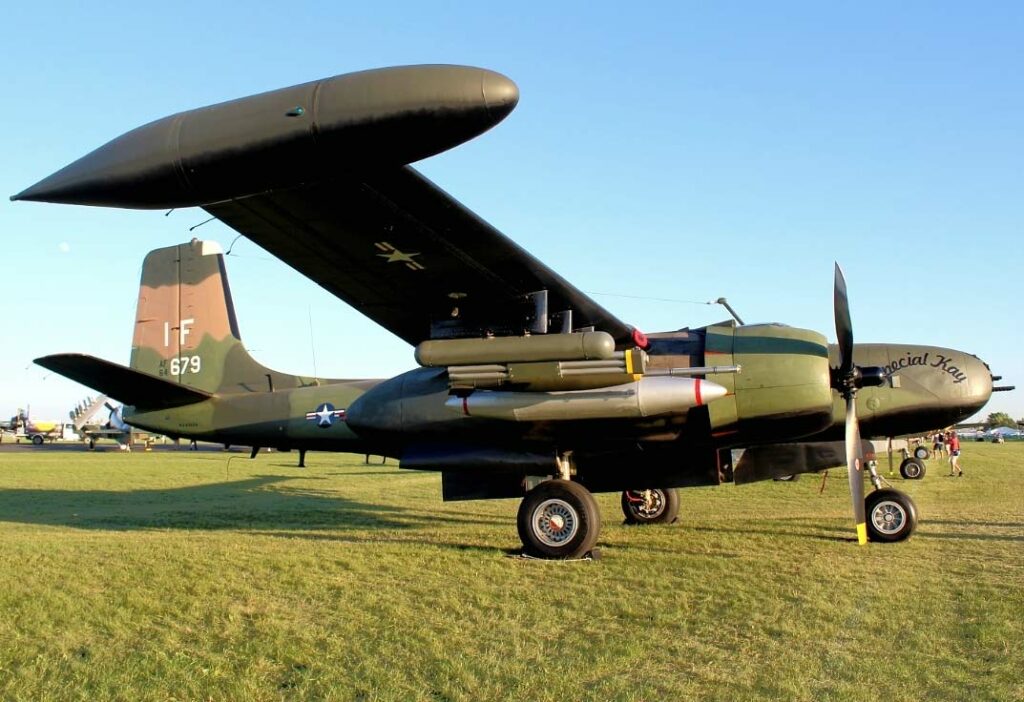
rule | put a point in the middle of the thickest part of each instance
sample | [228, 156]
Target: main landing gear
[657, 506]
[912, 469]
[891, 514]
[558, 519]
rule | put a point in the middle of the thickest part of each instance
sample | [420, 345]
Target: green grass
[179, 576]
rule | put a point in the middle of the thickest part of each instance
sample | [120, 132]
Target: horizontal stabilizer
[125, 385]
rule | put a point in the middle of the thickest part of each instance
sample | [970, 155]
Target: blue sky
[680, 151]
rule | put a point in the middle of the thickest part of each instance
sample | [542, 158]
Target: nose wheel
[558, 519]
[891, 515]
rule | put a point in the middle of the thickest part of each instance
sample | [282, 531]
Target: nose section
[958, 383]
[928, 387]
[976, 386]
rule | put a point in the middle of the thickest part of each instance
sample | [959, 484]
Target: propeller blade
[844, 326]
[855, 468]
[109, 406]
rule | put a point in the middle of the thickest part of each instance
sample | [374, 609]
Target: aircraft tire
[923, 453]
[37, 440]
[662, 509]
[891, 515]
[912, 469]
[558, 519]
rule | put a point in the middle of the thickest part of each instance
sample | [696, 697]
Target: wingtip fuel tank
[282, 138]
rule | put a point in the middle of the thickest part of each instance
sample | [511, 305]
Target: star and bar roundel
[325, 415]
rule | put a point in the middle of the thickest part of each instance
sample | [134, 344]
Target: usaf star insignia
[325, 415]
[393, 255]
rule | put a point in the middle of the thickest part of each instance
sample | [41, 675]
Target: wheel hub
[555, 522]
[888, 517]
[647, 503]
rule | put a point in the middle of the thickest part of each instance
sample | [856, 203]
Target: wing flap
[124, 384]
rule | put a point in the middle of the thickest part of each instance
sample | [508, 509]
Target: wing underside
[409, 256]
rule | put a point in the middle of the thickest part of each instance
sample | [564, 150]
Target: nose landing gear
[891, 514]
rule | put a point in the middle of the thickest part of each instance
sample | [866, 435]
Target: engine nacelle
[783, 391]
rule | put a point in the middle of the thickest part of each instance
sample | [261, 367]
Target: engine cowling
[783, 391]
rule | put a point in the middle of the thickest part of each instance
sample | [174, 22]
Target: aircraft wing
[408, 256]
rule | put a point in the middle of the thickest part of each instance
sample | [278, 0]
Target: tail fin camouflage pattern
[185, 326]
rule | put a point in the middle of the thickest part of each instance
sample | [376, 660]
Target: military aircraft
[36, 431]
[526, 387]
[92, 430]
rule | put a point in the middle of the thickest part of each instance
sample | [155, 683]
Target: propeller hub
[858, 377]
[871, 376]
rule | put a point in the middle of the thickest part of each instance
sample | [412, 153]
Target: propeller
[847, 379]
[116, 421]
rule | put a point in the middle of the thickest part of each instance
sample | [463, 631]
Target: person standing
[938, 444]
[953, 444]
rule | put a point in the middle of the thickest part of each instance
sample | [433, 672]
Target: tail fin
[185, 326]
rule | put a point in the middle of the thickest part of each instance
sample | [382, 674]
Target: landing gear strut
[558, 519]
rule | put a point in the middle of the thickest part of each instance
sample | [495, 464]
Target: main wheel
[891, 515]
[912, 469]
[558, 519]
[657, 506]
[922, 452]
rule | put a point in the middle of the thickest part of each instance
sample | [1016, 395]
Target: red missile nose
[640, 339]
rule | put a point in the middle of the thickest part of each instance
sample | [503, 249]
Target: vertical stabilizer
[185, 326]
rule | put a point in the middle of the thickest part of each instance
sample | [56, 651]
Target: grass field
[181, 576]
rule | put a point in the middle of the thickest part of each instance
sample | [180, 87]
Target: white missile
[647, 397]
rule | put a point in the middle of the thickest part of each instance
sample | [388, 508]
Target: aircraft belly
[407, 416]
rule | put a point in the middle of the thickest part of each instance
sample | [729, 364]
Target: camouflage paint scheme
[186, 333]
[318, 175]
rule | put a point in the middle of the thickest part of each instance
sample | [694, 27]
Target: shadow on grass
[254, 502]
[968, 536]
[972, 523]
[833, 535]
[374, 473]
[408, 538]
